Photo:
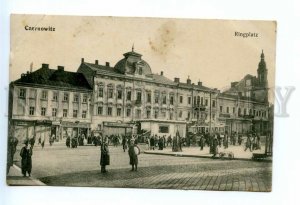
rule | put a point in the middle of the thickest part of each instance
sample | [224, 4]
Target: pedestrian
[26, 163]
[124, 143]
[215, 144]
[68, 141]
[133, 153]
[43, 141]
[105, 158]
[160, 143]
[201, 142]
[240, 139]
[225, 141]
[11, 150]
[248, 143]
[32, 141]
[152, 142]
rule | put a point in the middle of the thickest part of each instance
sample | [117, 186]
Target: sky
[205, 50]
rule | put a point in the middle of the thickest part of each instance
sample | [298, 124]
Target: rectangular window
[206, 102]
[189, 100]
[55, 96]
[31, 110]
[75, 113]
[181, 99]
[156, 114]
[84, 99]
[189, 115]
[100, 92]
[171, 115]
[54, 112]
[180, 114]
[245, 111]
[156, 99]
[100, 110]
[109, 111]
[119, 111]
[233, 110]
[65, 113]
[221, 109]
[128, 112]
[119, 94]
[75, 98]
[213, 103]
[139, 96]
[148, 114]
[83, 114]
[227, 110]
[195, 100]
[201, 100]
[164, 99]
[43, 111]
[44, 95]
[32, 94]
[171, 100]
[138, 114]
[110, 93]
[66, 97]
[128, 95]
[163, 129]
[22, 93]
[148, 97]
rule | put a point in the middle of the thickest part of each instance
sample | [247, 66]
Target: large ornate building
[128, 98]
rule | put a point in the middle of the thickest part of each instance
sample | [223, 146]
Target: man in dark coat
[104, 159]
[124, 141]
[201, 142]
[133, 153]
[26, 163]
[152, 142]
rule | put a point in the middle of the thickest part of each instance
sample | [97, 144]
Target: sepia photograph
[134, 102]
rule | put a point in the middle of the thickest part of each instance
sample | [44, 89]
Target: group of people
[158, 141]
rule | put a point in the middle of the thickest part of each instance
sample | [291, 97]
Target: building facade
[128, 98]
[50, 102]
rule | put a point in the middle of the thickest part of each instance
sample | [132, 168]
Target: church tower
[262, 72]
[261, 90]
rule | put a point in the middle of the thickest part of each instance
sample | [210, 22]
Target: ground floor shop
[59, 131]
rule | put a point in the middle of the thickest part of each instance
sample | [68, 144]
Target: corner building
[129, 98]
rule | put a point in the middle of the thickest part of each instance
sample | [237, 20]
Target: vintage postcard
[141, 103]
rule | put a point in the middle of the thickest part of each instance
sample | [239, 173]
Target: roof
[55, 78]
[154, 78]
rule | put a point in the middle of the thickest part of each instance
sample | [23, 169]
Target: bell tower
[262, 72]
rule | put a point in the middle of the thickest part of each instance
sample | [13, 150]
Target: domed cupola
[133, 64]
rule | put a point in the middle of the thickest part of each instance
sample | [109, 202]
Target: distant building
[50, 102]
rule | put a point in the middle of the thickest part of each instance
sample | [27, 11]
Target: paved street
[59, 166]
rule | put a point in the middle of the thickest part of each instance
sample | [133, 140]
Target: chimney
[188, 81]
[44, 65]
[60, 68]
[96, 62]
[199, 83]
[161, 72]
[82, 60]
[107, 64]
[176, 80]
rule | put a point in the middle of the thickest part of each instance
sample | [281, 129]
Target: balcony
[246, 116]
[199, 107]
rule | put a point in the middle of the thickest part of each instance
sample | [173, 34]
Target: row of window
[54, 112]
[197, 100]
[257, 113]
[44, 95]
